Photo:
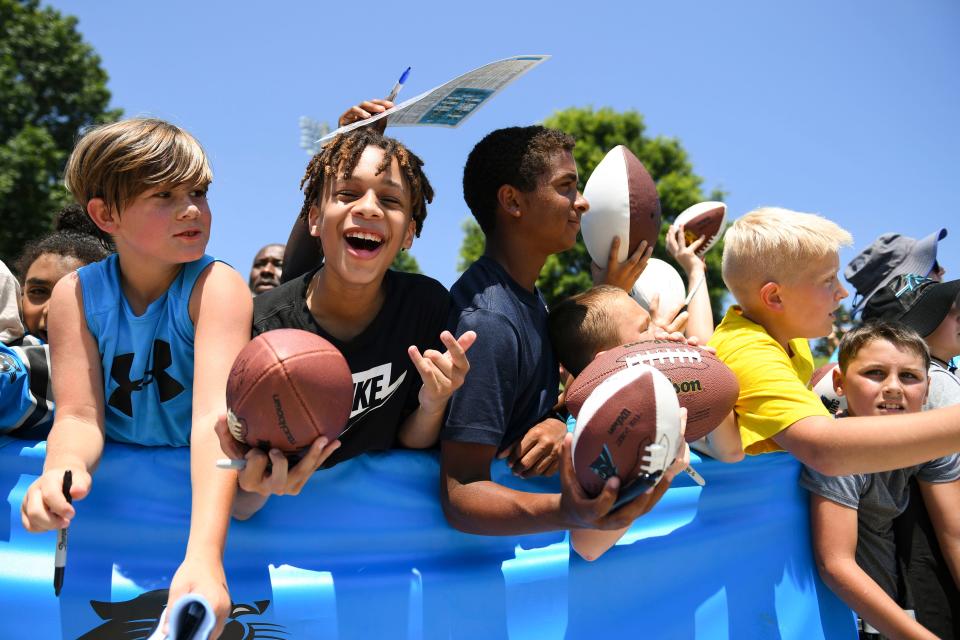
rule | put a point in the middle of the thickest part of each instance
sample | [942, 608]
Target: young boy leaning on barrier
[781, 266]
[584, 326]
[883, 371]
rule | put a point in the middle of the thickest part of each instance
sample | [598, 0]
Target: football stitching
[673, 355]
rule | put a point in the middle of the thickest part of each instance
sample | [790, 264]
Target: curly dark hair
[517, 156]
[75, 235]
[342, 155]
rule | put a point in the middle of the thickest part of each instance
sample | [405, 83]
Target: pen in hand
[60, 559]
[396, 88]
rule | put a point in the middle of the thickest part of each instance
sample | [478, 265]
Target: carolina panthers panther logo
[136, 619]
[604, 466]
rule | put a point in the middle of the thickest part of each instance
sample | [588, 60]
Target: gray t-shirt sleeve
[945, 469]
[844, 490]
[944, 388]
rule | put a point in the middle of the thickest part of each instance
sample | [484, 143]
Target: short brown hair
[119, 161]
[343, 153]
[580, 326]
[517, 156]
[899, 335]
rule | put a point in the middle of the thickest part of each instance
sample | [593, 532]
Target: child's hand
[537, 453]
[442, 373]
[203, 574]
[583, 512]
[364, 110]
[44, 507]
[682, 461]
[622, 274]
[670, 320]
[685, 255]
[272, 474]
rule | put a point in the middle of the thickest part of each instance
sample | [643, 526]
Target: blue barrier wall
[364, 552]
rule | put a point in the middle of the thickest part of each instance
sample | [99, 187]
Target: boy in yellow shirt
[781, 266]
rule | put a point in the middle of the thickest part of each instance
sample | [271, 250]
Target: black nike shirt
[385, 380]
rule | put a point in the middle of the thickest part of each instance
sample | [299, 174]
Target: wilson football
[705, 386]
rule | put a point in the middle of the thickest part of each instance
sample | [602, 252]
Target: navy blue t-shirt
[514, 378]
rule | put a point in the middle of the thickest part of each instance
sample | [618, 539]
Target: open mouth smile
[363, 243]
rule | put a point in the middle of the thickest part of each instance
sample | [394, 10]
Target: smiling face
[552, 211]
[811, 298]
[882, 379]
[44, 272]
[363, 221]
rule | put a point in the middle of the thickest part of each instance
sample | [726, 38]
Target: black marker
[60, 560]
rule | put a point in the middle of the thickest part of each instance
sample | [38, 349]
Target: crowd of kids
[117, 315]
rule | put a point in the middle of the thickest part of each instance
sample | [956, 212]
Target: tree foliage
[51, 86]
[404, 261]
[596, 132]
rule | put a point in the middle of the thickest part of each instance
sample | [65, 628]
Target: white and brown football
[706, 387]
[623, 202]
[702, 219]
[628, 427]
[659, 278]
[821, 382]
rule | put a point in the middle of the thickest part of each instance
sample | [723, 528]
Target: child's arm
[222, 311]
[834, 532]
[442, 374]
[593, 543]
[872, 444]
[76, 440]
[700, 321]
[942, 500]
[723, 443]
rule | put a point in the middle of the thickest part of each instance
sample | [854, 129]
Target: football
[628, 427]
[821, 382]
[706, 387]
[659, 277]
[702, 219]
[287, 388]
[623, 202]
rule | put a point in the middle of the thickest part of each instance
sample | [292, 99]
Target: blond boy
[781, 266]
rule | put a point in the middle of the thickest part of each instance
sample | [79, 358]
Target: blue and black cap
[914, 300]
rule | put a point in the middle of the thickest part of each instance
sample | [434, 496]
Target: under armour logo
[167, 385]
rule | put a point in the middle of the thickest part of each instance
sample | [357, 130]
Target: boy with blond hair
[140, 346]
[781, 267]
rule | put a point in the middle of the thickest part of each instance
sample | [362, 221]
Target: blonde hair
[771, 244]
[118, 161]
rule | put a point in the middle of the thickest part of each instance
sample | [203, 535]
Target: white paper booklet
[452, 102]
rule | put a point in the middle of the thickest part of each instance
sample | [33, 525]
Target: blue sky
[848, 109]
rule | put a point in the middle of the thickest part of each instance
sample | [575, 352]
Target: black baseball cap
[889, 256]
[914, 300]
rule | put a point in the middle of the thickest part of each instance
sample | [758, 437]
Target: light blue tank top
[148, 359]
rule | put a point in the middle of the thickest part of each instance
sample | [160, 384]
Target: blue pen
[396, 88]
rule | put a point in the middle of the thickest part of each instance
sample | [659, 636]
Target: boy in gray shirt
[928, 306]
[883, 370]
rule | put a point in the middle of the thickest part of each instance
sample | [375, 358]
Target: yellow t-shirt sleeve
[773, 387]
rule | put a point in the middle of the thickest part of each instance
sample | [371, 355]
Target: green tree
[51, 86]
[598, 131]
[404, 261]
